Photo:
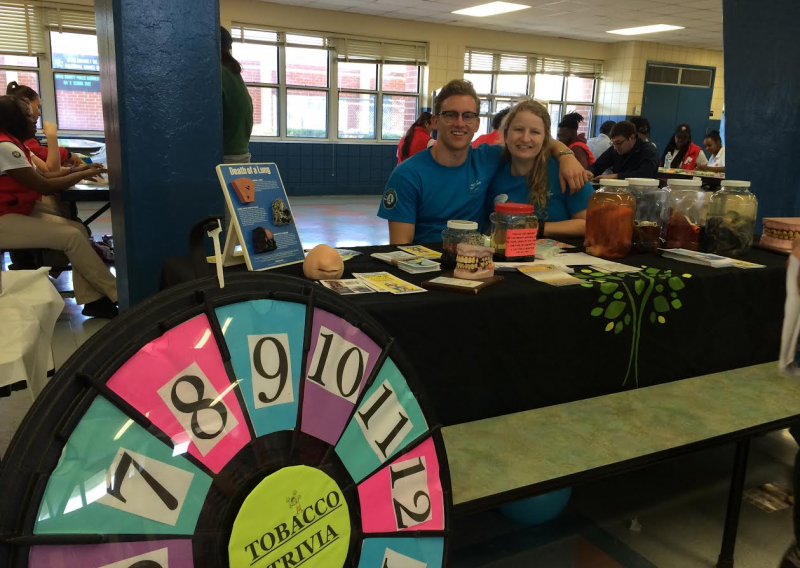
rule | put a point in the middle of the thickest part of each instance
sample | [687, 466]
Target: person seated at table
[642, 129]
[450, 180]
[24, 226]
[568, 134]
[601, 142]
[529, 173]
[494, 136]
[52, 156]
[416, 138]
[713, 145]
[681, 152]
[628, 156]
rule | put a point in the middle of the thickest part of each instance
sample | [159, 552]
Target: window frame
[333, 90]
[50, 103]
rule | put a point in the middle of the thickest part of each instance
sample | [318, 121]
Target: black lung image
[280, 213]
[263, 240]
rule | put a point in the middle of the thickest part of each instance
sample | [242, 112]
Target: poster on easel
[262, 223]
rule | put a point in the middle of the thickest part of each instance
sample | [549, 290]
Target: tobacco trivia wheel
[269, 424]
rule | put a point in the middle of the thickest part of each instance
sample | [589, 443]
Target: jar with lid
[609, 220]
[458, 231]
[731, 219]
[651, 213]
[514, 232]
[688, 211]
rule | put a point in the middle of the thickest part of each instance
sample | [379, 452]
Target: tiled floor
[680, 504]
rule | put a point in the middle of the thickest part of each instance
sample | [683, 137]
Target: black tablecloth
[522, 344]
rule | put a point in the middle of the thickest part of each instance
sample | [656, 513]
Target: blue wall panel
[323, 168]
[762, 116]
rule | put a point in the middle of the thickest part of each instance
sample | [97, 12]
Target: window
[315, 87]
[22, 69]
[564, 85]
[76, 75]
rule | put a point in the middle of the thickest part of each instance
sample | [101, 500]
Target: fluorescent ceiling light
[491, 9]
[645, 30]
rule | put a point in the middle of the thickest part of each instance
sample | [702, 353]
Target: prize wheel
[267, 424]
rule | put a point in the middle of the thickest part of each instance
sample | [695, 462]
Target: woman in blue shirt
[529, 175]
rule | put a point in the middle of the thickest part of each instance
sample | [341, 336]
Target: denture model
[473, 262]
[779, 232]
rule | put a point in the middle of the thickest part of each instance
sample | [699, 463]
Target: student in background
[713, 145]
[494, 136]
[529, 174]
[681, 152]
[602, 141]
[23, 225]
[51, 157]
[643, 129]
[568, 134]
[628, 157]
[416, 138]
[237, 106]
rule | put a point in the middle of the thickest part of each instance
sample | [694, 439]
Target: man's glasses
[452, 116]
[619, 143]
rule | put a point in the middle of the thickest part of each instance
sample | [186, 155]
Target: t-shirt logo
[16, 154]
[390, 199]
[475, 186]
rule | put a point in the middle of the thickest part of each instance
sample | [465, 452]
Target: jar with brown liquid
[609, 220]
[652, 205]
[688, 210]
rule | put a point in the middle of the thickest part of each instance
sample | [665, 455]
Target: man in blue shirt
[450, 180]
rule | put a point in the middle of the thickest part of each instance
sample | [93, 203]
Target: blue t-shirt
[427, 194]
[560, 206]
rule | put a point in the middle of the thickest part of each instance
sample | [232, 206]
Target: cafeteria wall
[761, 112]
[162, 103]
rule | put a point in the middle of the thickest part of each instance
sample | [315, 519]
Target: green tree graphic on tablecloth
[627, 299]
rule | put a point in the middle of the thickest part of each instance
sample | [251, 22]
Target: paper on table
[550, 275]
[577, 259]
[513, 266]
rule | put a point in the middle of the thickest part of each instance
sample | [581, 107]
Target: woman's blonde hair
[537, 178]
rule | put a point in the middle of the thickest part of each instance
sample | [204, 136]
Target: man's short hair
[606, 127]
[497, 121]
[455, 88]
[624, 128]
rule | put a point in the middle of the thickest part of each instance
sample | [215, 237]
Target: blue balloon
[539, 509]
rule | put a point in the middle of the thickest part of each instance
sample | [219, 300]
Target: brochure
[447, 282]
[347, 286]
[550, 275]
[701, 258]
[389, 282]
[261, 218]
[421, 251]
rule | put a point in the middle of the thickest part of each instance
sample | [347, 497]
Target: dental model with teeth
[473, 262]
[450, 180]
[530, 175]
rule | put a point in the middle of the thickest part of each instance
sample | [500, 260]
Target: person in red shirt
[63, 156]
[681, 152]
[568, 134]
[23, 224]
[496, 135]
[416, 139]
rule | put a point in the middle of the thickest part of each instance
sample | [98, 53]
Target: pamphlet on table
[261, 218]
[551, 275]
[347, 287]
[385, 282]
[407, 262]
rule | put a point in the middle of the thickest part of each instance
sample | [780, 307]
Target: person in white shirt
[601, 142]
[713, 145]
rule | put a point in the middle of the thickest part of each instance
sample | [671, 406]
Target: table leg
[97, 213]
[734, 504]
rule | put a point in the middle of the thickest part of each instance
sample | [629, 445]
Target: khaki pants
[90, 276]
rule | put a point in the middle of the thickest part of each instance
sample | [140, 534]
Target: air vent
[680, 76]
[663, 75]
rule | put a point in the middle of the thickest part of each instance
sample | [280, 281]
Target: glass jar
[609, 220]
[688, 211]
[514, 231]
[731, 219]
[652, 204]
[458, 232]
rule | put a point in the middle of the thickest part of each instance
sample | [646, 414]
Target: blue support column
[761, 111]
[162, 101]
